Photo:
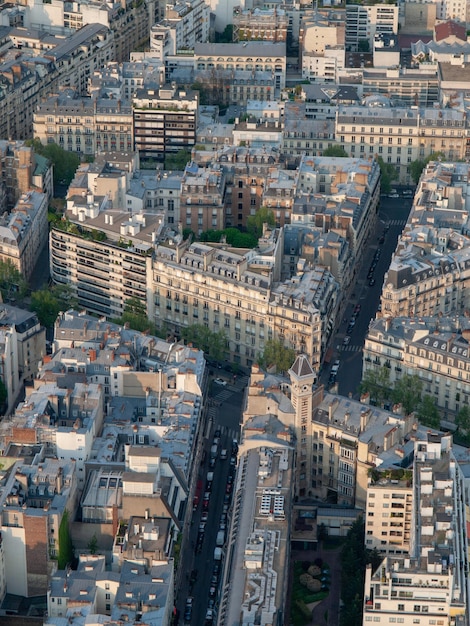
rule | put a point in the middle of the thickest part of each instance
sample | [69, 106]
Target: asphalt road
[393, 214]
[224, 414]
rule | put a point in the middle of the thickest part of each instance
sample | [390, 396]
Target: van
[214, 451]
[220, 540]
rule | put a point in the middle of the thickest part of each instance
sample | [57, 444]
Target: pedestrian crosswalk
[396, 223]
[350, 348]
[223, 395]
[230, 432]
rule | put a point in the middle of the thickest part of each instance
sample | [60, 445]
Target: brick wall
[36, 553]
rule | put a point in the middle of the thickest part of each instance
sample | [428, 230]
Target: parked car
[220, 381]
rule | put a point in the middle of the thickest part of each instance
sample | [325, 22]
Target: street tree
[376, 383]
[49, 301]
[213, 344]
[428, 413]
[407, 391]
[416, 167]
[278, 355]
[462, 421]
[65, 162]
[388, 173]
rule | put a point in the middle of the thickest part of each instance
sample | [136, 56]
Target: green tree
[462, 421]
[354, 558]
[363, 45]
[65, 162]
[3, 394]
[226, 36]
[135, 315]
[407, 391]
[428, 413]
[213, 344]
[416, 167]
[178, 160]
[376, 382]
[93, 544]
[66, 552]
[388, 172]
[255, 222]
[13, 286]
[335, 151]
[232, 236]
[278, 355]
[49, 301]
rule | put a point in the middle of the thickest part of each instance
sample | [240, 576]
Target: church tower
[302, 379]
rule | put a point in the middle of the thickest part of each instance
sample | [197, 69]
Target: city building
[259, 24]
[364, 22]
[22, 170]
[23, 346]
[248, 56]
[38, 493]
[338, 440]
[401, 135]
[428, 272]
[429, 583]
[202, 196]
[130, 594]
[406, 87]
[389, 492]
[190, 285]
[165, 121]
[435, 349]
[183, 26]
[85, 125]
[23, 232]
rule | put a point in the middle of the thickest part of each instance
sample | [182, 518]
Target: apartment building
[22, 170]
[184, 25]
[434, 349]
[389, 510]
[85, 125]
[23, 232]
[407, 88]
[303, 134]
[401, 135]
[428, 273]
[165, 121]
[190, 286]
[346, 189]
[202, 196]
[249, 56]
[129, 21]
[259, 24]
[22, 348]
[428, 584]
[36, 494]
[363, 22]
[134, 591]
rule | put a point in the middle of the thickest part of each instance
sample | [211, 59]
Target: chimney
[92, 355]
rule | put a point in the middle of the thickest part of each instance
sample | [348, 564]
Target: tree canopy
[178, 160]
[49, 301]
[428, 413]
[135, 314]
[335, 151]
[462, 421]
[65, 162]
[232, 236]
[388, 173]
[255, 222]
[416, 167]
[278, 355]
[377, 384]
[407, 391]
[213, 344]
[13, 286]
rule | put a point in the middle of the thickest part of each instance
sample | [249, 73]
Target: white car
[346, 340]
[220, 381]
